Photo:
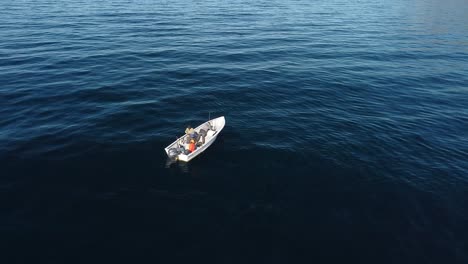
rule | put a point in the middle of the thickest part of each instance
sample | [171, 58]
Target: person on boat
[190, 132]
[203, 132]
[191, 146]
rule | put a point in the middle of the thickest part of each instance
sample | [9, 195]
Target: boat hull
[217, 124]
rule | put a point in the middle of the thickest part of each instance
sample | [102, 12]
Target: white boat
[177, 149]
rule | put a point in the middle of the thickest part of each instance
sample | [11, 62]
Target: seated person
[190, 134]
[192, 146]
[203, 132]
[189, 130]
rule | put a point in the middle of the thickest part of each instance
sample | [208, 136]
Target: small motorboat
[179, 149]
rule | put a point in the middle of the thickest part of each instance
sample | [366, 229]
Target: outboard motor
[173, 152]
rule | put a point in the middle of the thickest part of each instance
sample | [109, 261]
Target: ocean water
[346, 138]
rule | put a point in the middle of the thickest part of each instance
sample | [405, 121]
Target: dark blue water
[346, 137]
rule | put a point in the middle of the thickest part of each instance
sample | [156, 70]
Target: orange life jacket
[191, 146]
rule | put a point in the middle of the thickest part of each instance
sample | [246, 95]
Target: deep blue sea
[346, 138]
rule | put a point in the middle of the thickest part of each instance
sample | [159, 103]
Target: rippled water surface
[346, 136]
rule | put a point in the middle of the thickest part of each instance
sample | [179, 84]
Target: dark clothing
[194, 136]
[201, 135]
